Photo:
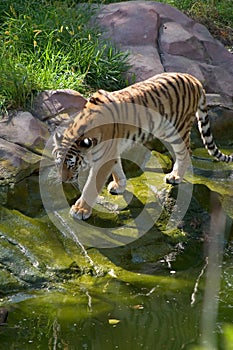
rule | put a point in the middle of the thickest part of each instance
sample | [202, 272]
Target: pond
[136, 312]
[165, 289]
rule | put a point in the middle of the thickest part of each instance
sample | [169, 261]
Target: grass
[48, 45]
[216, 15]
[218, 10]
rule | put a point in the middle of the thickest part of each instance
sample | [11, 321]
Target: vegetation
[48, 44]
[216, 15]
[217, 10]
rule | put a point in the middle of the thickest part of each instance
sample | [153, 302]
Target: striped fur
[164, 107]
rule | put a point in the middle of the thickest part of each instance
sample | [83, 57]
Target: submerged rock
[33, 253]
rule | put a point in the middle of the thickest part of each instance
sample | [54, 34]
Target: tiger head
[71, 156]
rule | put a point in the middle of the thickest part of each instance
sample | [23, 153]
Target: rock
[174, 39]
[213, 100]
[134, 29]
[161, 38]
[33, 253]
[22, 139]
[56, 106]
[16, 162]
[218, 55]
[145, 62]
[222, 125]
[24, 130]
[125, 24]
[182, 64]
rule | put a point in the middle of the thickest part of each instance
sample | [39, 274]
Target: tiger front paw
[80, 210]
[117, 187]
[173, 178]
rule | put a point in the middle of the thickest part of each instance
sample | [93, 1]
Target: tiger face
[70, 157]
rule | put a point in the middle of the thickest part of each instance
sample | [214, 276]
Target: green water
[168, 289]
[148, 318]
[146, 312]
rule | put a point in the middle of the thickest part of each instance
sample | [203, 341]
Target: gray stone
[219, 56]
[57, 106]
[168, 13]
[25, 130]
[125, 24]
[222, 125]
[161, 38]
[202, 33]
[16, 162]
[174, 39]
[213, 100]
[22, 139]
[174, 63]
[145, 61]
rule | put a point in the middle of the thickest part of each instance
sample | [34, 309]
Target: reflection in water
[164, 320]
[215, 248]
[154, 312]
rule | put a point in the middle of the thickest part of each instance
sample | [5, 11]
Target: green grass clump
[218, 11]
[49, 45]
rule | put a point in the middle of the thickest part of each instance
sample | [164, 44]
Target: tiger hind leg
[182, 155]
[118, 185]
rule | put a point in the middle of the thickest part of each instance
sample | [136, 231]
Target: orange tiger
[163, 107]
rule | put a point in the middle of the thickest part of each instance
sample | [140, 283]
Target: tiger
[163, 106]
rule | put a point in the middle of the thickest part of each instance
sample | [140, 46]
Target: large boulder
[160, 38]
